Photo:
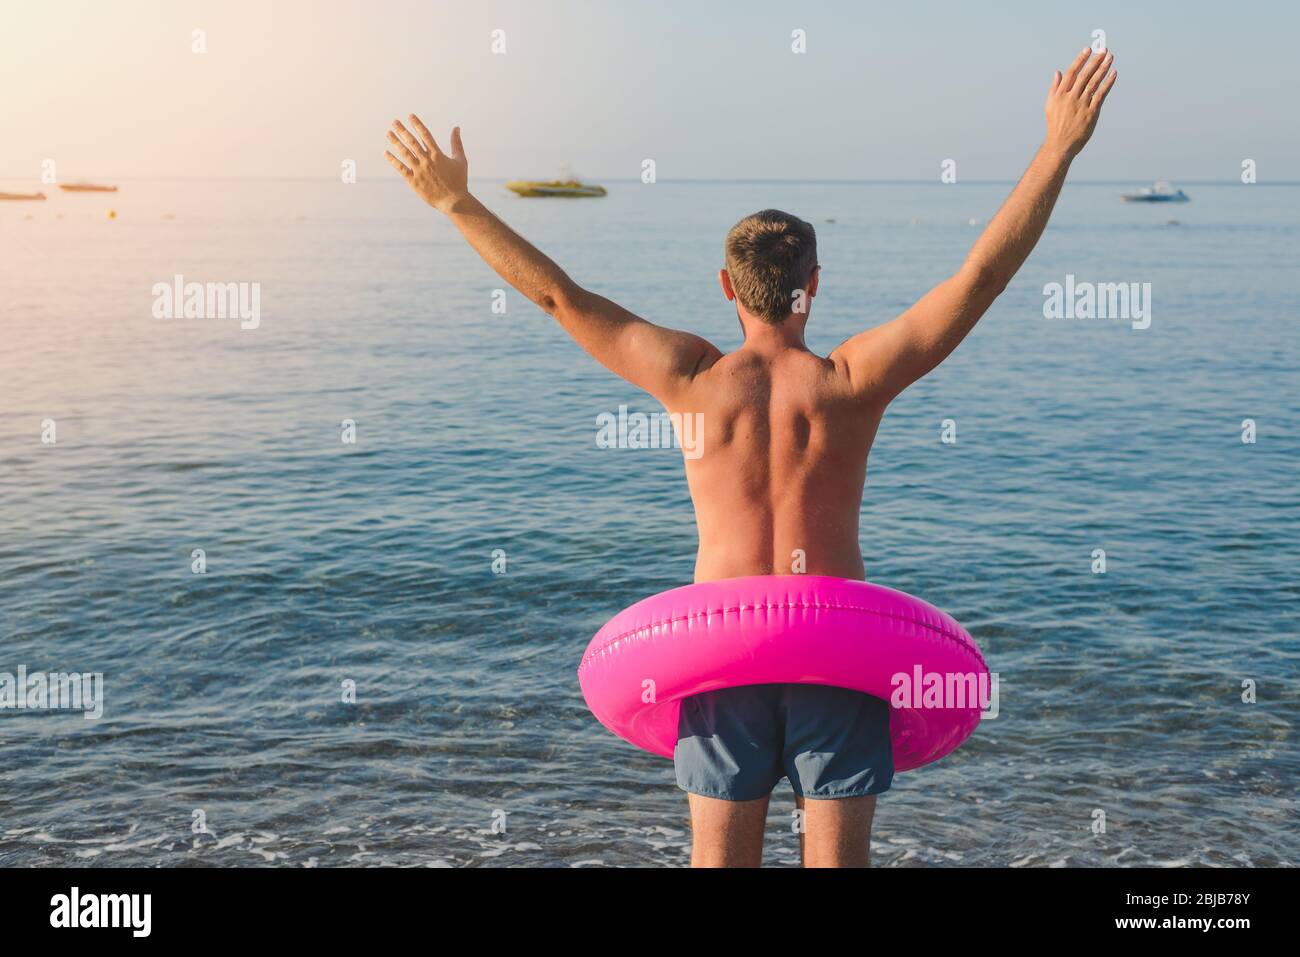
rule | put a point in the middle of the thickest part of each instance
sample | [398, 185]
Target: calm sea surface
[475, 431]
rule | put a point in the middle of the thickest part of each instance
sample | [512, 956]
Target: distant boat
[4, 196]
[565, 188]
[86, 188]
[1161, 192]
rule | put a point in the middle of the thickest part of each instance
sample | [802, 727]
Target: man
[788, 436]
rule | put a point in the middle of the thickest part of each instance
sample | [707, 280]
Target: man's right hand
[882, 362]
[1075, 99]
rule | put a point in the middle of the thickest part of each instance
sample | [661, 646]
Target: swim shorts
[737, 743]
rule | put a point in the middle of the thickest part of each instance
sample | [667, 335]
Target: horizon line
[690, 179]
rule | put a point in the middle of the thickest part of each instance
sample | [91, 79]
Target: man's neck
[768, 337]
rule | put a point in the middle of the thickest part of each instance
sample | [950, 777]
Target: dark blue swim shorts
[737, 743]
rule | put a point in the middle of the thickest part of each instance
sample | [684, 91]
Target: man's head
[771, 264]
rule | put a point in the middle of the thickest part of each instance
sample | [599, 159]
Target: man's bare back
[779, 487]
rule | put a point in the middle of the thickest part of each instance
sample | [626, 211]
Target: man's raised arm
[659, 360]
[883, 361]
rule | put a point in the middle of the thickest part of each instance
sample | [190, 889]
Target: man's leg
[836, 831]
[838, 756]
[727, 833]
[728, 757]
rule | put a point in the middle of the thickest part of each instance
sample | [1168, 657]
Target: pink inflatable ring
[800, 629]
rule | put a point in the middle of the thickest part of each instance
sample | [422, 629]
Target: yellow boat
[86, 188]
[22, 195]
[571, 188]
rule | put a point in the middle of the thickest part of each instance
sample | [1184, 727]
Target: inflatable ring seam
[782, 606]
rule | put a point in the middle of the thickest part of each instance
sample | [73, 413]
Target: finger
[1085, 74]
[409, 138]
[457, 147]
[1100, 98]
[1073, 69]
[397, 165]
[1095, 80]
[425, 135]
[1056, 80]
[402, 151]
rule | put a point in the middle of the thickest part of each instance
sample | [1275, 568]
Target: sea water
[337, 569]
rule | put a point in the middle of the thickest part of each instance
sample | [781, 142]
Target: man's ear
[812, 283]
[725, 280]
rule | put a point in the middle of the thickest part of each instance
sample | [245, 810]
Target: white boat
[1161, 192]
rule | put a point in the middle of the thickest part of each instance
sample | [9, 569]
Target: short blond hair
[770, 256]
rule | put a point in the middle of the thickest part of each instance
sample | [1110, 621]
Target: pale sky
[111, 88]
